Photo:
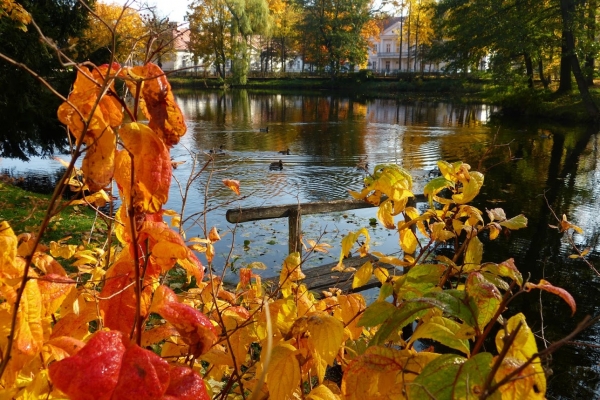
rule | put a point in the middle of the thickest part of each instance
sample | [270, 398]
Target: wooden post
[295, 229]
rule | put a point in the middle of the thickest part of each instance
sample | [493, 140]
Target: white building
[385, 57]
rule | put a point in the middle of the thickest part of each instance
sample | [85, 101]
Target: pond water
[327, 136]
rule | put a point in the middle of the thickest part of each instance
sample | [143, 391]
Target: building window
[388, 47]
[374, 65]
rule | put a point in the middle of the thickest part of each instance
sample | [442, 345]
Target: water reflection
[328, 136]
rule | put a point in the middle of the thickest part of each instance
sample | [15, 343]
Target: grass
[25, 211]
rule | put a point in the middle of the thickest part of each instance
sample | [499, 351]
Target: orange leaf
[54, 289]
[9, 267]
[143, 375]
[93, 372]
[159, 103]
[118, 294]
[186, 385]
[213, 235]
[98, 165]
[233, 185]
[194, 327]
[107, 367]
[151, 168]
[548, 287]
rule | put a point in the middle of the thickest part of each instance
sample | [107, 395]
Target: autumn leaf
[363, 275]
[322, 392]
[233, 185]
[548, 287]
[94, 371]
[193, 326]
[283, 374]
[151, 164]
[378, 373]
[186, 384]
[326, 336]
[523, 347]
[291, 271]
[107, 367]
[159, 103]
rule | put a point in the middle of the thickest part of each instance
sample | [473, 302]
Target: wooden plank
[238, 215]
[268, 212]
[295, 230]
[322, 278]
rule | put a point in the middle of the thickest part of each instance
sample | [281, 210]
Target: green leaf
[518, 222]
[506, 269]
[484, 298]
[442, 330]
[402, 316]
[376, 313]
[419, 280]
[452, 377]
[434, 186]
[455, 303]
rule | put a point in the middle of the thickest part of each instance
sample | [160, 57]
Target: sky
[174, 9]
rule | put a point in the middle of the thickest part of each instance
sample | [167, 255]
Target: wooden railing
[319, 277]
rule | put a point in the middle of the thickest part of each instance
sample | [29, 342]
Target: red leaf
[194, 327]
[548, 287]
[186, 385]
[92, 373]
[144, 375]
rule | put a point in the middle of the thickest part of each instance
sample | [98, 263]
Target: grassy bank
[515, 100]
[25, 211]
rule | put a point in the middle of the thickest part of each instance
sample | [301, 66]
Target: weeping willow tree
[249, 17]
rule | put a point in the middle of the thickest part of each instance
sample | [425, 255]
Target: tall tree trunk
[564, 85]
[417, 39]
[400, 48]
[283, 53]
[591, 36]
[408, 39]
[567, 8]
[529, 69]
[545, 81]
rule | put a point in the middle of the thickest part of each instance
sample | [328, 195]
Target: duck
[264, 129]
[434, 173]
[220, 150]
[363, 164]
[276, 166]
[286, 152]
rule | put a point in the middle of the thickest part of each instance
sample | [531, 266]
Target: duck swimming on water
[286, 152]
[220, 150]
[264, 129]
[276, 166]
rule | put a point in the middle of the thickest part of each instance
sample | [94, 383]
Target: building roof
[181, 39]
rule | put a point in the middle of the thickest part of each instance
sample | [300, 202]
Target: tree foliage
[27, 112]
[118, 29]
[209, 34]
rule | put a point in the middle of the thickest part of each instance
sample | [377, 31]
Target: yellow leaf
[384, 214]
[98, 199]
[363, 275]
[352, 305]
[291, 271]
[322, 392]
[408, 241]
[233, 185]
[474, 253]
[283, 374]
[521, 350]
[381, 274]
[326, 338]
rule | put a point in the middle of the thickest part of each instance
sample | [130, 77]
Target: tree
[286, 18]
[336, 26]
[127, 26]
[250, 17]
[28, 111]
[209, 36]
